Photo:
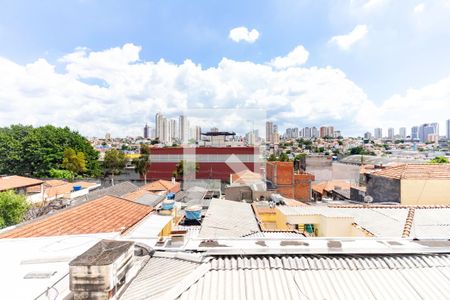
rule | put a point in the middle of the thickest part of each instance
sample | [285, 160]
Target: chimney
[99, 273]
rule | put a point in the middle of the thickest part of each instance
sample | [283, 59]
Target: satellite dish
[368, 199]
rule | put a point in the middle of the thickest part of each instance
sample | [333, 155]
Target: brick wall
[290, 185]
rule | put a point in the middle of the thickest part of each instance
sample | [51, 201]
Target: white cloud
[243, 34]
[114, 91]
[416, 106]
[134, 90]
[419, 8]
[346, 41]
[295, 58]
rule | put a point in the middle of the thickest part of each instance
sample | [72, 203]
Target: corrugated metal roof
[382, 222]
[431, 223]
[158, 276]
[226, 218]
[325, 277]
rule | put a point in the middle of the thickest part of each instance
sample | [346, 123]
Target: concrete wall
[326, 226]
[383, 189]
[236, 193]
[419, 192]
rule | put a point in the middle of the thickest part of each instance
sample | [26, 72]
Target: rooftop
[328, 186]
[54, 188]
[15, 182]
[287, 276]
[416, 171]
[117, 190]
[106, 214]
[162, 185]
[226, 218]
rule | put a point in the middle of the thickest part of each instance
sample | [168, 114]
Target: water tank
[276, 198]
[76, 188]
[194, 212]
[168, 204]
[170, 196]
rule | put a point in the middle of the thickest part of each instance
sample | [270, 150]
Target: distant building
[269, 132]
[337, 133]
[323, 131]
[427, 129]
[415, 132]
[307, 132]
[402, 132]
[314, 132]
[448, 129]
[198, 134]
[391, 133]
[378, 133]
[183, 126]
[146, 131]
[367, 135]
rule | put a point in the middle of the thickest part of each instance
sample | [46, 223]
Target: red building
[214, 162]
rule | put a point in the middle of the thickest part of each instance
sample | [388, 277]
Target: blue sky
[402, 49]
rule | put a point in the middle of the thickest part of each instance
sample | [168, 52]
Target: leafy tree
[360, 151]
[142, 164]
[439, 160]
[185, 169]
[114, 162]
[35, 151]
[13, 208]
[61, 174]
[74, 161]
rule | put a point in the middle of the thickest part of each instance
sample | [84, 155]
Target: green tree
[74, 161]
[61, 174]
[439, 160]
[142, 164]
[114, 162]
[186, 169]
[360, 151]
[13, 208]
[35, 151]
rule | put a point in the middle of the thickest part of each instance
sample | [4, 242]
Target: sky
[110, 66]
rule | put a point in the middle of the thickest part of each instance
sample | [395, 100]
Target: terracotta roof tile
[162, 185]
[14, 182]
[133, 196]
[105, 214]
[330, 185]
[416, 171]
[54, 188]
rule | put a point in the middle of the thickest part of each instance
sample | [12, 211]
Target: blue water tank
[194, 212]
[76, 188]
[168, 204]
[170, 196]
